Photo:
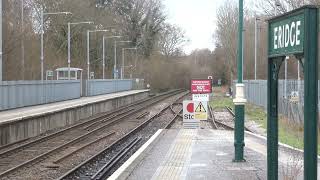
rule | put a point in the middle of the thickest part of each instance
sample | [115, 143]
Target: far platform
[202, 154]
[12, 115]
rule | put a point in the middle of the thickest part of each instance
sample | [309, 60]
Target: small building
[63, 73]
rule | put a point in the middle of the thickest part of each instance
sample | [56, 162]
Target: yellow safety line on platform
[177, 157]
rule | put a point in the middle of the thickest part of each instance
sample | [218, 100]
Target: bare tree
[171, 40]
[226, 33]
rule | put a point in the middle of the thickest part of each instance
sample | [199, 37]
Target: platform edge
[123, 171]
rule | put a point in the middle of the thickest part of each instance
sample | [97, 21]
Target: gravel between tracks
[47, 170]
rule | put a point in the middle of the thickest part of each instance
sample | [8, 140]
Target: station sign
[200, 97]
[195, 111]
[201, 86]
[286, 35]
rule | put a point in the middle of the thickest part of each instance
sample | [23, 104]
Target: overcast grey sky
[197, 18]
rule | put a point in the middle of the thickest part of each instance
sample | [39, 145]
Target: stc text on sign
[286, 36]
[201, 86]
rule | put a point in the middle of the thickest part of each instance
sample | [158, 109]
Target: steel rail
[103, 172]
[170, 123]
[233, 115]
[95, 157]
[213, 123]
[90, 119]
[43, 155]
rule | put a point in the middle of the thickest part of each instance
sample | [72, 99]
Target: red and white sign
[194, 111]
[201, 86]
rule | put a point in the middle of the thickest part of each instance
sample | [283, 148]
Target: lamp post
[239, 100]
[69, 42]
[1, 41]
[88, 48]
[255, 46]
[103, 53]
[122, 67]
[115, 58]
[22, 39]
[42, 32]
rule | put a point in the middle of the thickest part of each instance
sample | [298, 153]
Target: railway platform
[204, 154]
[21, 123]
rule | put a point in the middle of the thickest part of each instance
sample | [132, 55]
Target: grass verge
[289, 133]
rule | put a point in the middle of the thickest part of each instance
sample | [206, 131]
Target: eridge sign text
[286, 36]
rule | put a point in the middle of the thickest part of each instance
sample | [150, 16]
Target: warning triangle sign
[200, 108]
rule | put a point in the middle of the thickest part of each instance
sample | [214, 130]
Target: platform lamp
[239, 99]
[42, 33]
[123, 51]
[69, 42]
[115, 74]
[104, 54]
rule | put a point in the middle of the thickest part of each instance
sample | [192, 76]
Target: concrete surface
[21, 123]
[207, 154]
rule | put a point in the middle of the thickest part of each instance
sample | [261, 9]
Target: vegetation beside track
[289, 133]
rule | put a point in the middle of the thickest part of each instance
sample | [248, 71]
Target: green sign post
[294, 33]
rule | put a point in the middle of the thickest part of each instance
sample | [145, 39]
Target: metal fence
[98, 87]
[256, 93]
[15, 94]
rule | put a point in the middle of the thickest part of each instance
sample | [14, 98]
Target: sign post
[294, 33]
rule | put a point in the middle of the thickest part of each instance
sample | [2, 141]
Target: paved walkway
[21, 113]
[207, 154]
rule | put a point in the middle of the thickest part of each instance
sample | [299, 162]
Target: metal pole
[103, 57]
[122, 68]
[135, 63]
[1, 41]
[88, 55]
[299, 80]
[22, 39]
[115, 60]
[285, 76]
[255, 48]
[69, 49]
[42, 54]
[311, 94]
[239, 100]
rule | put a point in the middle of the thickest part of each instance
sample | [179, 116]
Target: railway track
[102, 164]
[68, 141]
[224, 124]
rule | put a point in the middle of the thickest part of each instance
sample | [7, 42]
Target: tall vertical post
[311, 94]
[122, 66]
[1, 53]
[69, 49]
[88, 55]
[298, 78]
[22, 40]
[285, 76]
[255, 47]
[272, 131]
[115, 61]
[239, 100]
[42, 32]
[103, 57]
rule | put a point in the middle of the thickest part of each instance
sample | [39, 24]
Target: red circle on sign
[190, 108]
